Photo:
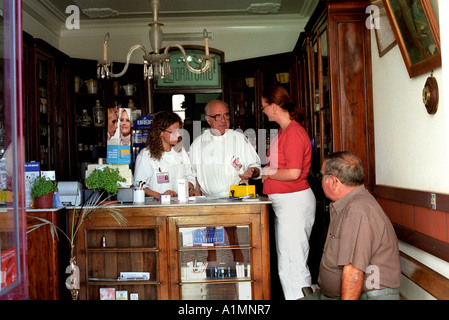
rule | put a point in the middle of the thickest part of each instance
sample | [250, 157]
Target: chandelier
[156, 64]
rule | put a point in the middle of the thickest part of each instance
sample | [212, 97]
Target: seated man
[361, 255]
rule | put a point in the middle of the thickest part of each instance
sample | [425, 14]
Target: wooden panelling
[433, 246]
[415, 197]
[415, 222]
[431, 281]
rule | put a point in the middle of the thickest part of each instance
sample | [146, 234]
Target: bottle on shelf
[135, 113]
[131, 105]
[99, 118]
[85, 120]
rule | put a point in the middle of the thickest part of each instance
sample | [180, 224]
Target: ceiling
[115, 10]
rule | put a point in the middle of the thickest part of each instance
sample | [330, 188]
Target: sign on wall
[181, 77]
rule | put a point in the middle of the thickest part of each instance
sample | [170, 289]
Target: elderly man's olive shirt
[362, 235]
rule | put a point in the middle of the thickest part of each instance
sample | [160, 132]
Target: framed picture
[384, 34]
[417, 34]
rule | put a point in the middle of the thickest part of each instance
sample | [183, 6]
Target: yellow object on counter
[6, 196]
[237, 191]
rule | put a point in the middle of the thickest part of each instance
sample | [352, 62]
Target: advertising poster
[119, 136]
[32, 170]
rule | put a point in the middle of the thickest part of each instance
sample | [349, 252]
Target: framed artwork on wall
[417, 34]
[384, 34]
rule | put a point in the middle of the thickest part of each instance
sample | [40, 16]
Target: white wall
[411, 146]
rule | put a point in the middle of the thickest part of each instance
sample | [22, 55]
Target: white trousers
[294, 217]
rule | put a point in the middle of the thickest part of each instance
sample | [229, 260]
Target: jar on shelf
[99, 118]
[131, 105]
[85, 120]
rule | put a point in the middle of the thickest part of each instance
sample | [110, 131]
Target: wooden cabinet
[334, 56]
[334, 66]
[112, 251]
[47, 108]
[208, 250]
[91, 140]
[47, 256]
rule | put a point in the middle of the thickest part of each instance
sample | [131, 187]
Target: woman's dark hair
[161, 121]
[346, 166]
[277, 94]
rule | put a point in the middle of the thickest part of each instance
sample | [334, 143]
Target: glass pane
[43, 72]
[326, 110]
[243, 106]
[214, 236]
[228, 291]
[230, 264]
[12, 212]
[215, 263]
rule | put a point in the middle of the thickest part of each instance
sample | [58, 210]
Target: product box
[121, 295]
[107, 293]
[165, 199]
[118, 149]
[183, 191]
[124, 276]
[8, 269]
[32, 170]
[49, 174]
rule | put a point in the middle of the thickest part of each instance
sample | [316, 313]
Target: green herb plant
[104, 179]
[43, 186]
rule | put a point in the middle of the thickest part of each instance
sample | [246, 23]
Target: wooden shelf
[216, 281]
[216, 247]
[115, 250]
[108, 282]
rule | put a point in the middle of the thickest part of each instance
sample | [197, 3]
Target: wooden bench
[427, 279]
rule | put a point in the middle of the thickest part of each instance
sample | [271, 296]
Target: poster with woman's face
[119, 136]
[119, 126]
[125, 126]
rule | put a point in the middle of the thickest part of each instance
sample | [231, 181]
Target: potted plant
[104, 180]
[42, 192]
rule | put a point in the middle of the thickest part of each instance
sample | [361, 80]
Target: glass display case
[335, 62]
[91, 99]
[13, 282]
[46, 107]
[215, 263]
[200, 251]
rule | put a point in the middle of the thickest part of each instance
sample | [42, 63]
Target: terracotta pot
[44, 202]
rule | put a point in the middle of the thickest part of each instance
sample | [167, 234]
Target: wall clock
[430, 95]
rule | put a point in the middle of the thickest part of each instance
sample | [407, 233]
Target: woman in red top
[285, 182]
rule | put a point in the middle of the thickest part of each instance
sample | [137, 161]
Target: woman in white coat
[164, 160]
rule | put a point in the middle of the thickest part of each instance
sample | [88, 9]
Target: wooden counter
[170, 241]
